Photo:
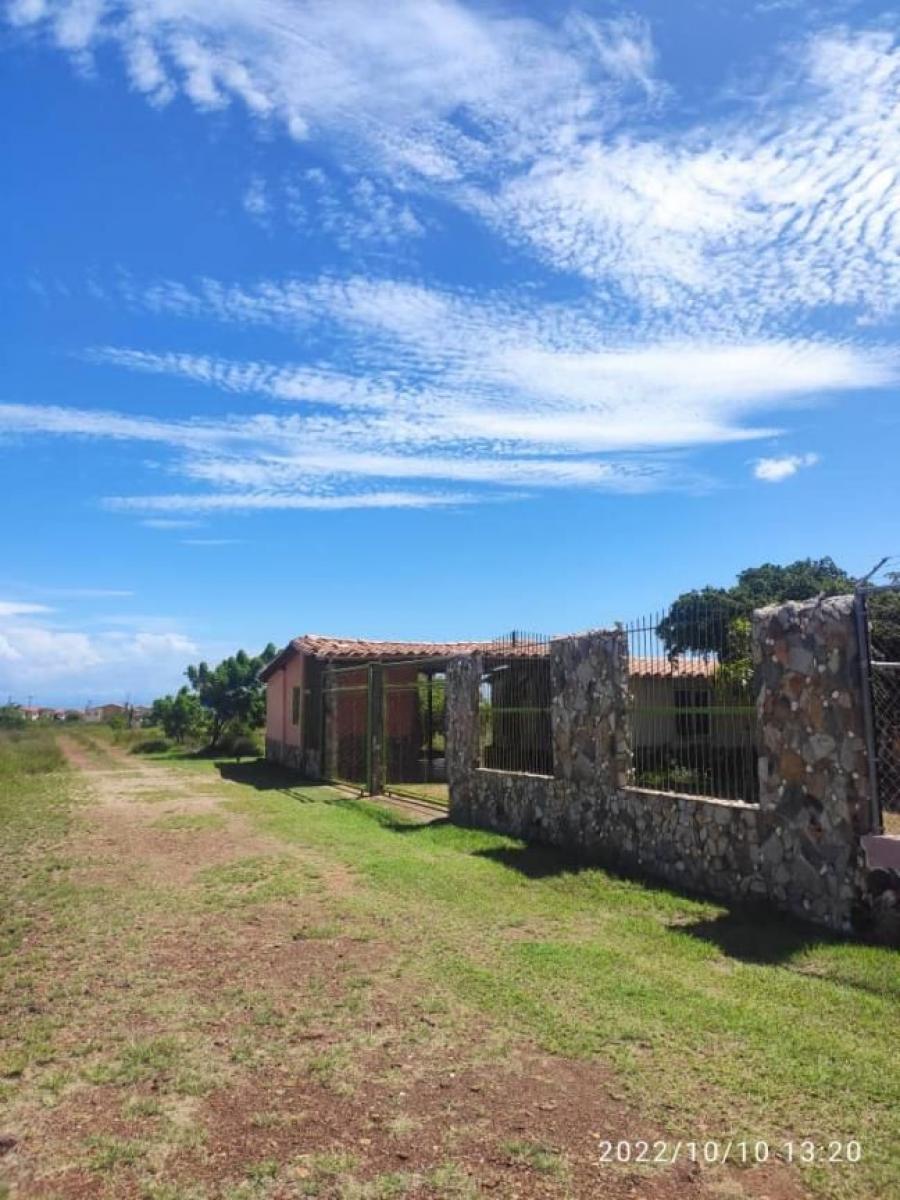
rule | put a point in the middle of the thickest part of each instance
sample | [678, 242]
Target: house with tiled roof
[321, 715]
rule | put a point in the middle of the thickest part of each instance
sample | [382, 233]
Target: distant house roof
[677, 668]
[340, 649]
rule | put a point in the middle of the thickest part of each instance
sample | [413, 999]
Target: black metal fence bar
[693, 727]
[514, 705]
[414, 741]
[346, 725]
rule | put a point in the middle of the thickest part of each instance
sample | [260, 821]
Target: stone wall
[813, 765]
[798, 849]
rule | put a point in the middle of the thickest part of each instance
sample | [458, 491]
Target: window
[295, 706]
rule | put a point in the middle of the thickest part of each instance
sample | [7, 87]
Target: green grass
[28, 751]
[110, 1153]
[255, 881]
[715, 1023]
[188, 822]
[718, 1022]
[35, 804]
[539, 1158]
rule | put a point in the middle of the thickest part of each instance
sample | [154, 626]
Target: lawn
[742, 1026]
[706, 1023]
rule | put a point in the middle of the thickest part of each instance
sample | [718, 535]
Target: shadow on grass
[262, 775]
[754, 934]
[750, 933]
[535, 862]
[266, 776]
[766, 938]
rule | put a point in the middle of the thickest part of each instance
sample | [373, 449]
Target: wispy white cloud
[776, 470]
[19, 608]
[703, 245]
[395, 79]
[788, 206]
[256, 201]
[545, 129]
[353, 211]
[257, 501]
[623, 46]
[426, 385]
[499, 372]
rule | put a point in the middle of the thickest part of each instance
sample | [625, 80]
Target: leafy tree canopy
[715, 620]
[181, 716]
[884, 620]
[231, 692]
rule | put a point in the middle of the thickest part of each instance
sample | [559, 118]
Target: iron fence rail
[515, 731]
[414, 730]
[692, 715]
[346, 696]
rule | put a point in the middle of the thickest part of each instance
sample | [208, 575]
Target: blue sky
[431, 319]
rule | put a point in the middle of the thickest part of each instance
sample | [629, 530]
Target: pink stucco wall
[293, 677]
[279, 691]
[275, 707]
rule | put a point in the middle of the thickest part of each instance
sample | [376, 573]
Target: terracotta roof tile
[342, 649]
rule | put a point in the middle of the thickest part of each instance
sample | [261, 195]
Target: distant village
[97, 714]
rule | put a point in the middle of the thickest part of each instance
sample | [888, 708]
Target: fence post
[329, 725]
[865, 653]
[462, 733]
[590, 709]
[813, 764]
[375, 764]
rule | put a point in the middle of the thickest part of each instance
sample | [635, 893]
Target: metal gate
[879, 613]
[413, 742]
[347, 718]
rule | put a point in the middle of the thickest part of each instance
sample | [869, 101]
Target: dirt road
[223, 1017]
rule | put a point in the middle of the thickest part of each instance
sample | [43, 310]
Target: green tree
[883, 608]
[181, 716]
[715, 620]
[231, 692]
[11, 717]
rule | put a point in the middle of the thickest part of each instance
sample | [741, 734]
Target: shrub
[11, 717]
[238, 733]
[244, 747]
[152, 745]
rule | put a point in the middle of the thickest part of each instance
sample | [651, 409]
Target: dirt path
[217, 1028]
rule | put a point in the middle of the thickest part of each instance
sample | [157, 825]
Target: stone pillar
[590, 709]
[813, 765]
[462, 733]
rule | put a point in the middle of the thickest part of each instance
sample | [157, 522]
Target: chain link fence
[883, 610]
